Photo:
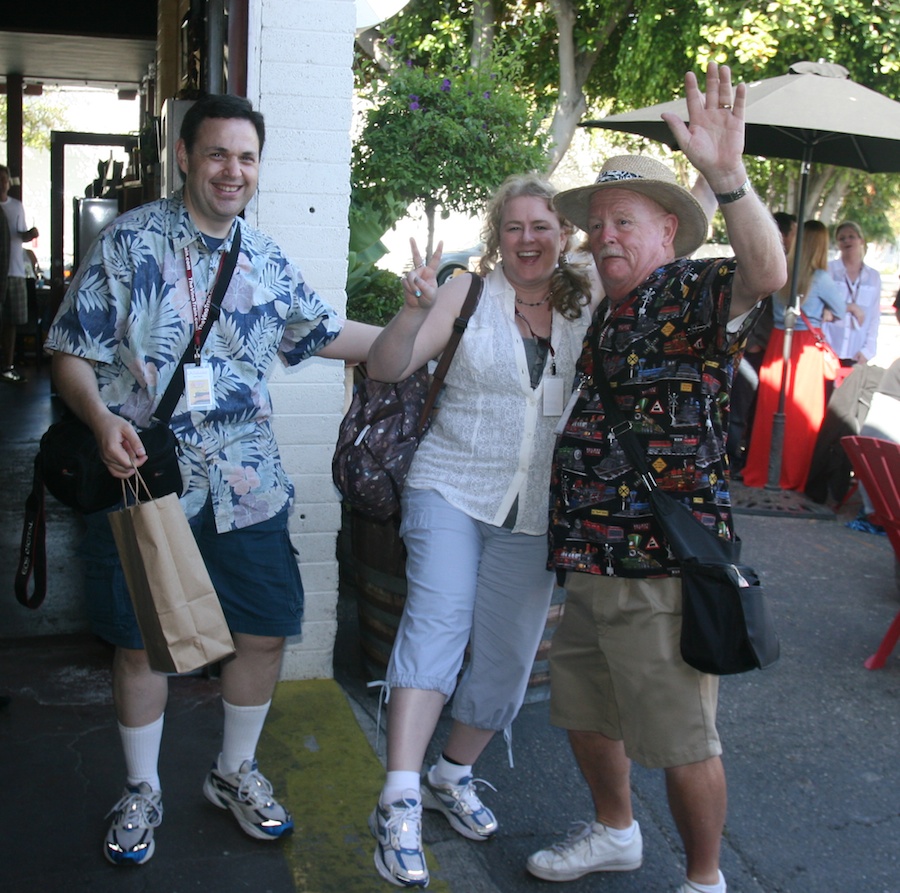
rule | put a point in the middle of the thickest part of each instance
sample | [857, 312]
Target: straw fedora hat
[648, 177]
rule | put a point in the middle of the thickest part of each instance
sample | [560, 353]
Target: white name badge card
[554, 396]
[198, 387]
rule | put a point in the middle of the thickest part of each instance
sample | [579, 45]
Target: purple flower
[391, 40]
[409, 63]
[487, 94]
[445, 85]
[413, 102]
[469, 93]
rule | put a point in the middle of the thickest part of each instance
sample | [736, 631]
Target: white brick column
[299, 76]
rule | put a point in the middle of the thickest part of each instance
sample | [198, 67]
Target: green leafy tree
[40, 115]
[445, 138]
[578, 57]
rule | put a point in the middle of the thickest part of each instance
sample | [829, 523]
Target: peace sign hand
[420, 283]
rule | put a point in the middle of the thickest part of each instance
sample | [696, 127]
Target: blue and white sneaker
[398, 829]
[248, 794]
[461, 805]
[129, 840]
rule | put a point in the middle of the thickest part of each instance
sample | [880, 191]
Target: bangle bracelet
[726, 198]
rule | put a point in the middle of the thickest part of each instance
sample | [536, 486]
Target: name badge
[198, 387]
[554, 397]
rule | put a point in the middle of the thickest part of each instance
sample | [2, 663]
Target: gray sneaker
[589, 847]
[248, 794]
[397, 827]
[129, 840]
[461, 806]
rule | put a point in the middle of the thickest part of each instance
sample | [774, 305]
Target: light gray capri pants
[468, 580]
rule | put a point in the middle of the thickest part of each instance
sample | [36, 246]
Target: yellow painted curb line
[321, 763]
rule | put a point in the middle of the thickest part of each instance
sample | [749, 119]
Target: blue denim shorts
[254, 571]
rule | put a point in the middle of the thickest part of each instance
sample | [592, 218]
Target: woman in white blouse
[854, 338]
[474, 512]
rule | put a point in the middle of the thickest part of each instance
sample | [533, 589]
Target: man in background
[15, 303]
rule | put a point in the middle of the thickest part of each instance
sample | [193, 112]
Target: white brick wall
[300, 78]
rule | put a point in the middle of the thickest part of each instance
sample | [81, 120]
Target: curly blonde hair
[570, 286]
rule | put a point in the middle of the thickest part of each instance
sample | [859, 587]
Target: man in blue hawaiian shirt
[668, 343]
[137, 300]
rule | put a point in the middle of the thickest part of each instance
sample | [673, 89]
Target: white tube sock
[243, 726]
[140, 744]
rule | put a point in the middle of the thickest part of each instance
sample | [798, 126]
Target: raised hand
[713, 140]
[420, 283]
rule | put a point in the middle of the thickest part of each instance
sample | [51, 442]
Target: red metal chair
[876, 463]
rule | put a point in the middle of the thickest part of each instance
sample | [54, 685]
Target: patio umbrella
[813, 113]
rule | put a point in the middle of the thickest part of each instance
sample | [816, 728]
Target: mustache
[605, 253]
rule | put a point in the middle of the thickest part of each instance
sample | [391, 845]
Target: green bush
[377, 295]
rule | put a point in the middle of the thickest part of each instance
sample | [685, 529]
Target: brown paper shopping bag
[177, 609]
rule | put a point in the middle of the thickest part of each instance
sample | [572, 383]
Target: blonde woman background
[855, 336]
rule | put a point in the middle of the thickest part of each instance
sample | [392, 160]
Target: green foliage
[633, 53]
[445, 137]
[40, 115]
[376, 296]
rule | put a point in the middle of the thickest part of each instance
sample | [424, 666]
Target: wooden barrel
[379, 574]
[377, 570]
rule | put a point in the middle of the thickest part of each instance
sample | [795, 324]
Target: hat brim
[693, 225]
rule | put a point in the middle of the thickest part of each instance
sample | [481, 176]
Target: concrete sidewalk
[810, 752]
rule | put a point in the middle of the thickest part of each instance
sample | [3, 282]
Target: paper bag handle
[133, 486]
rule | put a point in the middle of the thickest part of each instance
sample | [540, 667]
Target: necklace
[543, 300]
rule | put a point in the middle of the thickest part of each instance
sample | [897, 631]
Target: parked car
[455, 262]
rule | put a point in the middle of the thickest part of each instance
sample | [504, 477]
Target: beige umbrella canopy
[814, 113]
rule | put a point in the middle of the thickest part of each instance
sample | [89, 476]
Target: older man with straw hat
[668, 342]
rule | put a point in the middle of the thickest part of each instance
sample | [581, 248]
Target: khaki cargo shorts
[616, 668]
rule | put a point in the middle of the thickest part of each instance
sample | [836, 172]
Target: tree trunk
[834, 197]
[483, 27]
[574, 70]
[430, 208]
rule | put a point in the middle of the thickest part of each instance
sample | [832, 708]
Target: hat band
[610, 176]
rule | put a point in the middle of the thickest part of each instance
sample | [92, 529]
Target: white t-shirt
[15, 217]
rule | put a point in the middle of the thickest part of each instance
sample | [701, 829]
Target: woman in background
[855, 336]
[804, 407]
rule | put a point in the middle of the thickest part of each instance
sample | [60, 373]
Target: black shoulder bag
[69, 465]
[726, 626]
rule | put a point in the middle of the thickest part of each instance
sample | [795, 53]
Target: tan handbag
[177, 609]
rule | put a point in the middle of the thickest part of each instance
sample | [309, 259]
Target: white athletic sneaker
[589, 847]
[399, 857]
[461, 806]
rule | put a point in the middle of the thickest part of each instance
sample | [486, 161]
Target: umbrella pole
[776, 448]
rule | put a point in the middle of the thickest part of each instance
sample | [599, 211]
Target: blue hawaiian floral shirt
[129, 309]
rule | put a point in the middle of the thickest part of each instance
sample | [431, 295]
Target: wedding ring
[726, 106]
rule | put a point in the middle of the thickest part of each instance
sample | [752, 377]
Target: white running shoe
[589, 847]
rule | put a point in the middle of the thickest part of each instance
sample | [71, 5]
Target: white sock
[243, 726]
[445, 772]
[622, 835]
[398, 784]
[140, 745]
[718, 887]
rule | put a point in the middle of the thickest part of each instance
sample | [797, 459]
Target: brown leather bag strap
[459, 326]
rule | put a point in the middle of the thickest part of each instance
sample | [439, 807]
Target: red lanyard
[199, 313]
